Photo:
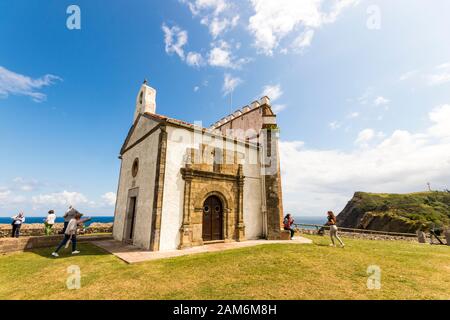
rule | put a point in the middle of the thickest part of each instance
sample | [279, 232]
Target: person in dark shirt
[333, 229]
[288, 224]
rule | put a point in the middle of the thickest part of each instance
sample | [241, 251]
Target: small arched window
[135, 168]
[141, 96]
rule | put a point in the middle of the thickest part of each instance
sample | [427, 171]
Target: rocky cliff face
[396, 212]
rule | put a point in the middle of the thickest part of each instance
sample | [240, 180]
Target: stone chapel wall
[143, 184]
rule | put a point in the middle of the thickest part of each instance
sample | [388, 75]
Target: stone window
[218, 159]
[140, 97]
[135, 168]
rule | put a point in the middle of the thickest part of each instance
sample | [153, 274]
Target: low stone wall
[37, 229]
[28, 243]
[357, 235]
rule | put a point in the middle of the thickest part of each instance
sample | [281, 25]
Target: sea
[103, 219]
[320, 220]
[106, 219]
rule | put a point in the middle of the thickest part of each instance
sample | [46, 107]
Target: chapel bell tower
[145, 100]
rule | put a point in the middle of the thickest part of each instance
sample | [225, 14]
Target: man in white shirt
[17, 223]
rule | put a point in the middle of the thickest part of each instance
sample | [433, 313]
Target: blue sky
[362, 90]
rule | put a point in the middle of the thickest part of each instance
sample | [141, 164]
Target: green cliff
[396, 212]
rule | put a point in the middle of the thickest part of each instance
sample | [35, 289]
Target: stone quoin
[182, 185]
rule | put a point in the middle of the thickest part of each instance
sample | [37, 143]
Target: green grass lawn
[277, 271]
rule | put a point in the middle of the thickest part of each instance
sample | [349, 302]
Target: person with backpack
[70, 234]
[16, 223]
[70, 213]
[288, 224]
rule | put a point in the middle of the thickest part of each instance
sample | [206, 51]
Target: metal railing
[318, 227]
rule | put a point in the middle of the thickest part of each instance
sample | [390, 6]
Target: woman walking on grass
[70, 234]
[333, 229]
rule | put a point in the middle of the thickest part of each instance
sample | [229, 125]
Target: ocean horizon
[108, 219]
[29, 220]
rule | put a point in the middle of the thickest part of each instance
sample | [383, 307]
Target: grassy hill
[396, 212]
[275, 271]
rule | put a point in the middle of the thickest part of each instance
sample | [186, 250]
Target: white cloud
[278, 108]
[221, 56]
[353, 115]
[4, 194]
[175, 39]
[435, 76]
[18, 84]
[272, 91]
[441, 75]
[194, 59]
[440, 116]
[364, 98]
[365, 136]
[381, 101]
[109, 198]
[9, 198]
[63, 198]
[196, 88]
[334, 125]
[215, 6]
[303, 40]
[275, 20]
[315, 181]
[219, 26]
[230, 83]
[26, 184]
[215, 14]
[408, 75]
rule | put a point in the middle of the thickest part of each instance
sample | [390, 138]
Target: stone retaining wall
[28, 243]
[37, 229]
[357, 235]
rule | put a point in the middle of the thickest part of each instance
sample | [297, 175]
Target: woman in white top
[49, 222]
[16, 224]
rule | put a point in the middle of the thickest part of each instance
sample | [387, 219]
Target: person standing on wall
[16, 223]
[333, 229]
[70, 234]
[69, 215]
[49, 222]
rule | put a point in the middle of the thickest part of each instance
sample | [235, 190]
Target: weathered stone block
[285, 235]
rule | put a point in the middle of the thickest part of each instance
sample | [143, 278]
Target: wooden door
[131, 219]
[212, 219]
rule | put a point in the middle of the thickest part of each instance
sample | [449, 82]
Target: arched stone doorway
[212, 221]
[205, 187]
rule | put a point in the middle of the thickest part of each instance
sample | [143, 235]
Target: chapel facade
[183, 185]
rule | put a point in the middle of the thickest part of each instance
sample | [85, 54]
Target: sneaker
[342, 245]
[332, 245]
[75, 252]
[55, 254]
